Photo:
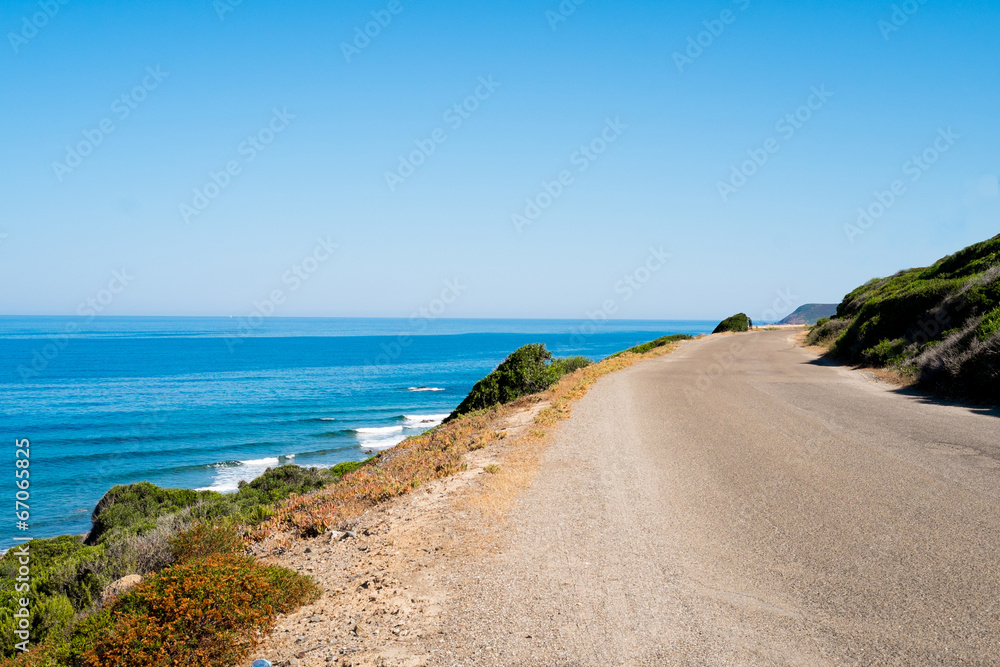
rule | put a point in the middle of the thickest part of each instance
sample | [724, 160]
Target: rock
[349, 533]
[308, 550]
[119, 586]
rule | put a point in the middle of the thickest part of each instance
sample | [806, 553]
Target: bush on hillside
[739, 322]
[528, 370]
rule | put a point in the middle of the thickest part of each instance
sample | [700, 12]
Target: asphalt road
[738, 502]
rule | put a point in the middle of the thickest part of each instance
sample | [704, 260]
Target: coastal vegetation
[138, 529]
[653, 344]
[737, 323]
[937, 326]
[528, 370]
[201, 597]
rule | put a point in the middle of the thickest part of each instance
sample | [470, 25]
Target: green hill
[810, 313]
[939, 325]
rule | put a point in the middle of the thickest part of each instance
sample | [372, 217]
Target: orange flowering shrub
[206, 612]
[205, 539]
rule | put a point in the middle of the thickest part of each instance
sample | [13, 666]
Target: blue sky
[663, 133]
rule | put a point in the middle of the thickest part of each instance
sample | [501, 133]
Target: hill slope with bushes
[938, 325]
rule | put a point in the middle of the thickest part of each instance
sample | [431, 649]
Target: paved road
[739, 503]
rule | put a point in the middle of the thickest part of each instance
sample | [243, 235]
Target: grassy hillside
[810, 313]
[939, 325]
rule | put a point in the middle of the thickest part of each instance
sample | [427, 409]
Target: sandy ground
[735, 502]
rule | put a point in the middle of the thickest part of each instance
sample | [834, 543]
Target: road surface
[739, 502]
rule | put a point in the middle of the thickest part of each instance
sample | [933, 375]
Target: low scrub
[206, 611]
[653, 344]
[939, 325]
[737, 323]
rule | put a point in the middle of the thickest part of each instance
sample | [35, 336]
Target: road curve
[739, 502]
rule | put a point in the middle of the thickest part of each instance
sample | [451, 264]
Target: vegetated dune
[939, 325]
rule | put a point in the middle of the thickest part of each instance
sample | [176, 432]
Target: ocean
[203, 403]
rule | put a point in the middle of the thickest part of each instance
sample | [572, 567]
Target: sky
[535, 159]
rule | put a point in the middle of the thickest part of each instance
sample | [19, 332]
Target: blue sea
[203, 403]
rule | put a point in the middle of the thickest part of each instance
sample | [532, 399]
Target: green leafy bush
[528, 370]
[738, 322]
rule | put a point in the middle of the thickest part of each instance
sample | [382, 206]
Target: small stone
[349, 533]
[308, 550]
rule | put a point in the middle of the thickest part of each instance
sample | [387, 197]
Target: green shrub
[739, 322]
[989, 325]
[566, 365]
[528, 370]
[132, 509]
[827, 333]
